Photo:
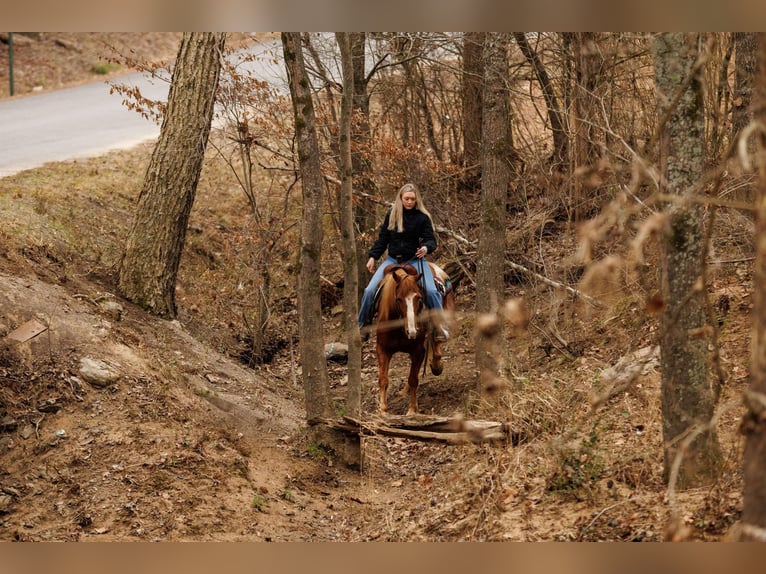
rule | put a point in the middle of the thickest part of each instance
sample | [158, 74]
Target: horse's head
[409, 300]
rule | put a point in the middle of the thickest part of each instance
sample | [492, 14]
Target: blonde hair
[396, 219]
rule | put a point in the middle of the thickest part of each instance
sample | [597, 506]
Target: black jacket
[402, 246]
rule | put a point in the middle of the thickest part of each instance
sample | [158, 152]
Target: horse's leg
[416, 361]
[448, 303]
[436, 358]
[384, 360]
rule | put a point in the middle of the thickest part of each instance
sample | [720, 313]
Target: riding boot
[366, 327]
[441, 328]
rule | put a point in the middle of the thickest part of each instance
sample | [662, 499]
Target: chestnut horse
[402, 328]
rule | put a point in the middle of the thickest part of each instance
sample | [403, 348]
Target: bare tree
[309, 298]
[496, 154]
[753, 526]
[417, 92]
[688, 399]
[361, 154]
[472, 77]
[560, 152]
[254, 138]
[350, 273]
[149, 266]
[588, 138]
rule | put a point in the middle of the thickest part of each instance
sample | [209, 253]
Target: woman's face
[409, 199]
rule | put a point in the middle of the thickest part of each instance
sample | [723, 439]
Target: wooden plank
[27, 331]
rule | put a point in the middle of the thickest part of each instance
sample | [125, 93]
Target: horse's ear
[398, 275]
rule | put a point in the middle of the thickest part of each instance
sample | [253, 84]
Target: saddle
[441, 279]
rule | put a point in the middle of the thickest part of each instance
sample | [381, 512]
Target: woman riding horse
[407, 233]
[400, 330]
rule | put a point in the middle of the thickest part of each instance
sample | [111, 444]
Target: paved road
[73, 122]
[87, 120]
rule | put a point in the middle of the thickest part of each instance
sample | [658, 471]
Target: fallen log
[452, 430]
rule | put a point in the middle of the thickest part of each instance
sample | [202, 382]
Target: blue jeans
[433, 298]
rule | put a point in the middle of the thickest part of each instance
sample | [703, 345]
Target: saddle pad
[443, 287]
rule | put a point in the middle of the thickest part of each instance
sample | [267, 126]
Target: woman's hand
[371, 264]
[421, 252]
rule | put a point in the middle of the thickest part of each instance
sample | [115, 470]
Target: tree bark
[745, 69]
[753, 526]
[587, 138]
[472, 78]
[311, 343]
[495, 159]
[149, 266]
[350, 261]
[687, 396]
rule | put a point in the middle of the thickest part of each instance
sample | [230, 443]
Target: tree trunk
[311, 343]
[361, 158]
[687, 396]
[421, 90]
[495, 159]
[417, 94]
[587, 139]
[149, 266]
[350, 274]
[721, 48]
[745, 71]
[745, 68]
[473, 75]
[754, 421]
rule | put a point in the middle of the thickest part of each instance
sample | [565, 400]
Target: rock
[215, 380]
[69, 45]
[98, 373]
[49, 406]
[7, 424]
[337, 352]
[631, 366]
[112, 309]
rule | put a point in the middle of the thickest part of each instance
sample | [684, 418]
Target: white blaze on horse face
[410, 327]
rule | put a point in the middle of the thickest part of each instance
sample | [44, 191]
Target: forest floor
[189, 443]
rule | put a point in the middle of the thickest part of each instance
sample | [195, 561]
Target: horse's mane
[387, 297]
